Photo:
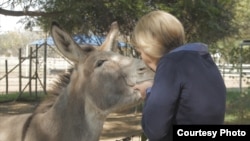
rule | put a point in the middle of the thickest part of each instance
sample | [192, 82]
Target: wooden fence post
[7, 80]
[20, 71]
[36, 73]
[30, 71]
[45, 68]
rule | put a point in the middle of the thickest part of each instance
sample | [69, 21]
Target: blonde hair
[158, 32]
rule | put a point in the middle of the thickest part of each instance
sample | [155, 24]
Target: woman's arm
[160, 105]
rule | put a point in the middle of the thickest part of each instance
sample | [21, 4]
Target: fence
[235, 76]
[230, 73]
[11, 82]
[30, 72]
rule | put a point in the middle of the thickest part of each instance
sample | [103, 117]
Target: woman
[187, 88]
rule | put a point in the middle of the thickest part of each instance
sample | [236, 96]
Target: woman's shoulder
[173, 57]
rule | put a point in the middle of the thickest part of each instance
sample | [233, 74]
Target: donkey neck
[80, 116]
[74, 115]
[95, 119]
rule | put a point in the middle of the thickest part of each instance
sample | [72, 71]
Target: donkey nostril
[141, 70]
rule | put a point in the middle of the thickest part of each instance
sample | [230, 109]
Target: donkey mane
[54, 92]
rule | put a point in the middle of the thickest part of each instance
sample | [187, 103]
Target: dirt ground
[117, 127]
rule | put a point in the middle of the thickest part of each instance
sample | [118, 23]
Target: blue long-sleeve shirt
[188, 89]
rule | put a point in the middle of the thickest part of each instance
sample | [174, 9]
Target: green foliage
[222, 24]
[229, 47]
[97, 15]
[245, 54]
[242, 19]
[204, 21]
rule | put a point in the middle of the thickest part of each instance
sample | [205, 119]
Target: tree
[229, 47]
[205, 21]
[10, 42]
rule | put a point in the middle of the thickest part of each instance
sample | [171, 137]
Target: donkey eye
[99, 63]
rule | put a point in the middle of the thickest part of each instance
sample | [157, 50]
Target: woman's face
[149, 61]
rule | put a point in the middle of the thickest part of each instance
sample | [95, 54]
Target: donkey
[101, 82]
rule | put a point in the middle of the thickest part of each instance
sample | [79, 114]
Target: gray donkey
[101, 82]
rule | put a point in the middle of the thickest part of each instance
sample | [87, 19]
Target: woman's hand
[142, 87]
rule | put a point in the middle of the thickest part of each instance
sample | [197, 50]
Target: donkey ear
[66, 45]
[110, 41]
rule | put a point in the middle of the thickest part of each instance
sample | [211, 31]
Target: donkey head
[101, 77]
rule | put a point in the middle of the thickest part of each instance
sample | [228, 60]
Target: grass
[238, 107]
[25, 97]
[237, 104]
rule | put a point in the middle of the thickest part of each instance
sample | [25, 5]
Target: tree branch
[28, 13]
